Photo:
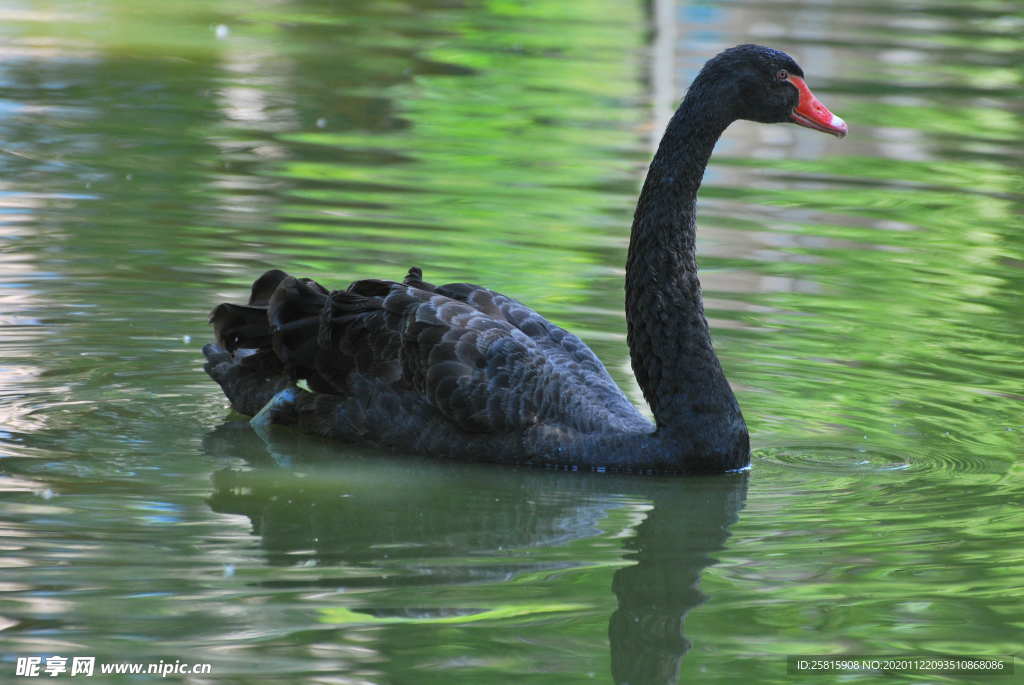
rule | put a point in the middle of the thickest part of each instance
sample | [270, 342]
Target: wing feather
[483, 360]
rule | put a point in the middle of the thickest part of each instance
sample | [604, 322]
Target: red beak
[813, 114]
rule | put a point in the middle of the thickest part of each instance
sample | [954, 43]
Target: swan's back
[481, 361]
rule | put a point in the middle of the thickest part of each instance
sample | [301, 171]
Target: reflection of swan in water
[671, 547]
[403, 510]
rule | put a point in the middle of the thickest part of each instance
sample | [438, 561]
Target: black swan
[462, 372]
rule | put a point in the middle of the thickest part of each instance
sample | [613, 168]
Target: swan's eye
[783, 75]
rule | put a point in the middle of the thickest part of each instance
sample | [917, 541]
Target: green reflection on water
[863, 295]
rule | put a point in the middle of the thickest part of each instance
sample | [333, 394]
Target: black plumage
[463, 372]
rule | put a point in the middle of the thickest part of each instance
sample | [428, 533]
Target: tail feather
[249, 381]
[242, 327]
[357, 334]
[238, 327]
[301, 331]
[415, 279]
[371, 287]
[294, 316]
[263, 347]
[264, 287]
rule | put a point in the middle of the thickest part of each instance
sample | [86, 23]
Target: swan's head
[764, 85]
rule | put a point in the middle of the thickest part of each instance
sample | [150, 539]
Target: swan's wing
[562, 347]
[483, 360]
[468, 357]
[477, 371]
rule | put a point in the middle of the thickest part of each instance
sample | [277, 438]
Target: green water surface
[866, 297]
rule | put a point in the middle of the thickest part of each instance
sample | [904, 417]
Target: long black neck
[669, 340]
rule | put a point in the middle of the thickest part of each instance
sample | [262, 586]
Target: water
[863, 294]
